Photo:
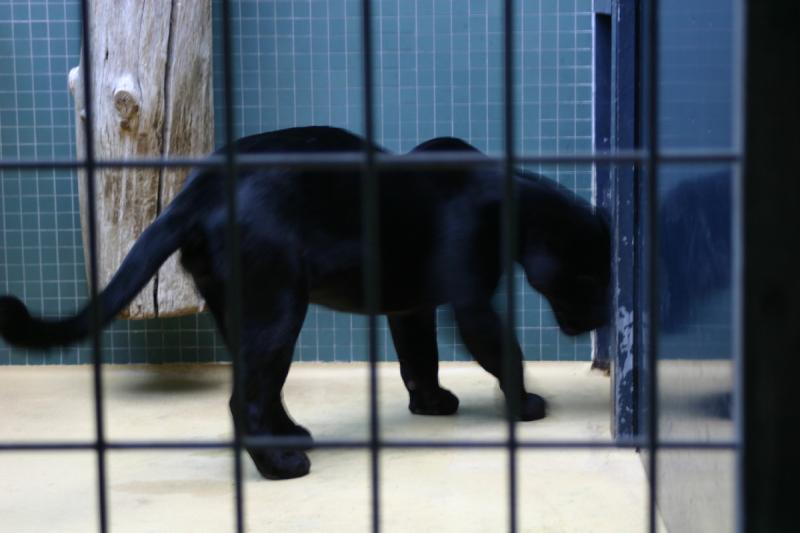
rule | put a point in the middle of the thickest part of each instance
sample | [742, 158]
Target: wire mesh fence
[649, 158]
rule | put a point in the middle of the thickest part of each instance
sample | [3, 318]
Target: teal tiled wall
[437, 72]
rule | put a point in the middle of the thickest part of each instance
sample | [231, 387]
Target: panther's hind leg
[273, 307]
[269, 331]
[414, 336]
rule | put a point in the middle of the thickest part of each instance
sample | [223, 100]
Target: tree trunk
[151, 97]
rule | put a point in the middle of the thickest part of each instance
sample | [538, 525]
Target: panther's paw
[533, 407]
[441, 402]
[281, 464]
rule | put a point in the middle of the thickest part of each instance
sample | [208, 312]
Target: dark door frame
[770, 205]
[617, 128]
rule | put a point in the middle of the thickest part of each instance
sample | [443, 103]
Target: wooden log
[152, 97]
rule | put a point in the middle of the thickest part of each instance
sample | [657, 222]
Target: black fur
[301, 242]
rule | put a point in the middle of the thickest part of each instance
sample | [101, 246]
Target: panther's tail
[163, 237]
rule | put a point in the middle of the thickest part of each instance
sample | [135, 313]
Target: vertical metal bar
[369, 218]
[737, 239]
[94, 303]
[509, 239]
[652, 257]
[234, 295]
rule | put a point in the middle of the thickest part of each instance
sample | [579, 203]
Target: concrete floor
[697, 488]
[421, 490]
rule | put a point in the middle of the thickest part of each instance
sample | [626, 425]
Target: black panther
[301, 243]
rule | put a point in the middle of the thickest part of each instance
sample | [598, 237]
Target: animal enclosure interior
[437, 73]
[582, 75]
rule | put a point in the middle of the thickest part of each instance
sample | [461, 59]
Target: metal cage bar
[738, 232]
[234, 290]
[371, 234]
[355, 160]
[263, 442]
[652, 282]
[94, 304]
[509, 231]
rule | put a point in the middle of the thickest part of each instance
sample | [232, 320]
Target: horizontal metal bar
[47, 446]
[290, 442]
[345, 160]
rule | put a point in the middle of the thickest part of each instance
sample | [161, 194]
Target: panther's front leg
[414, 336]
[257, 405]
[481, 330]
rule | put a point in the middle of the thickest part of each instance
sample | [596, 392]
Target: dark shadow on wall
[695, 247]
[695, 267]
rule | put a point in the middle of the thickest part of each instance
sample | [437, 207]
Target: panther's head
[569, 263]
